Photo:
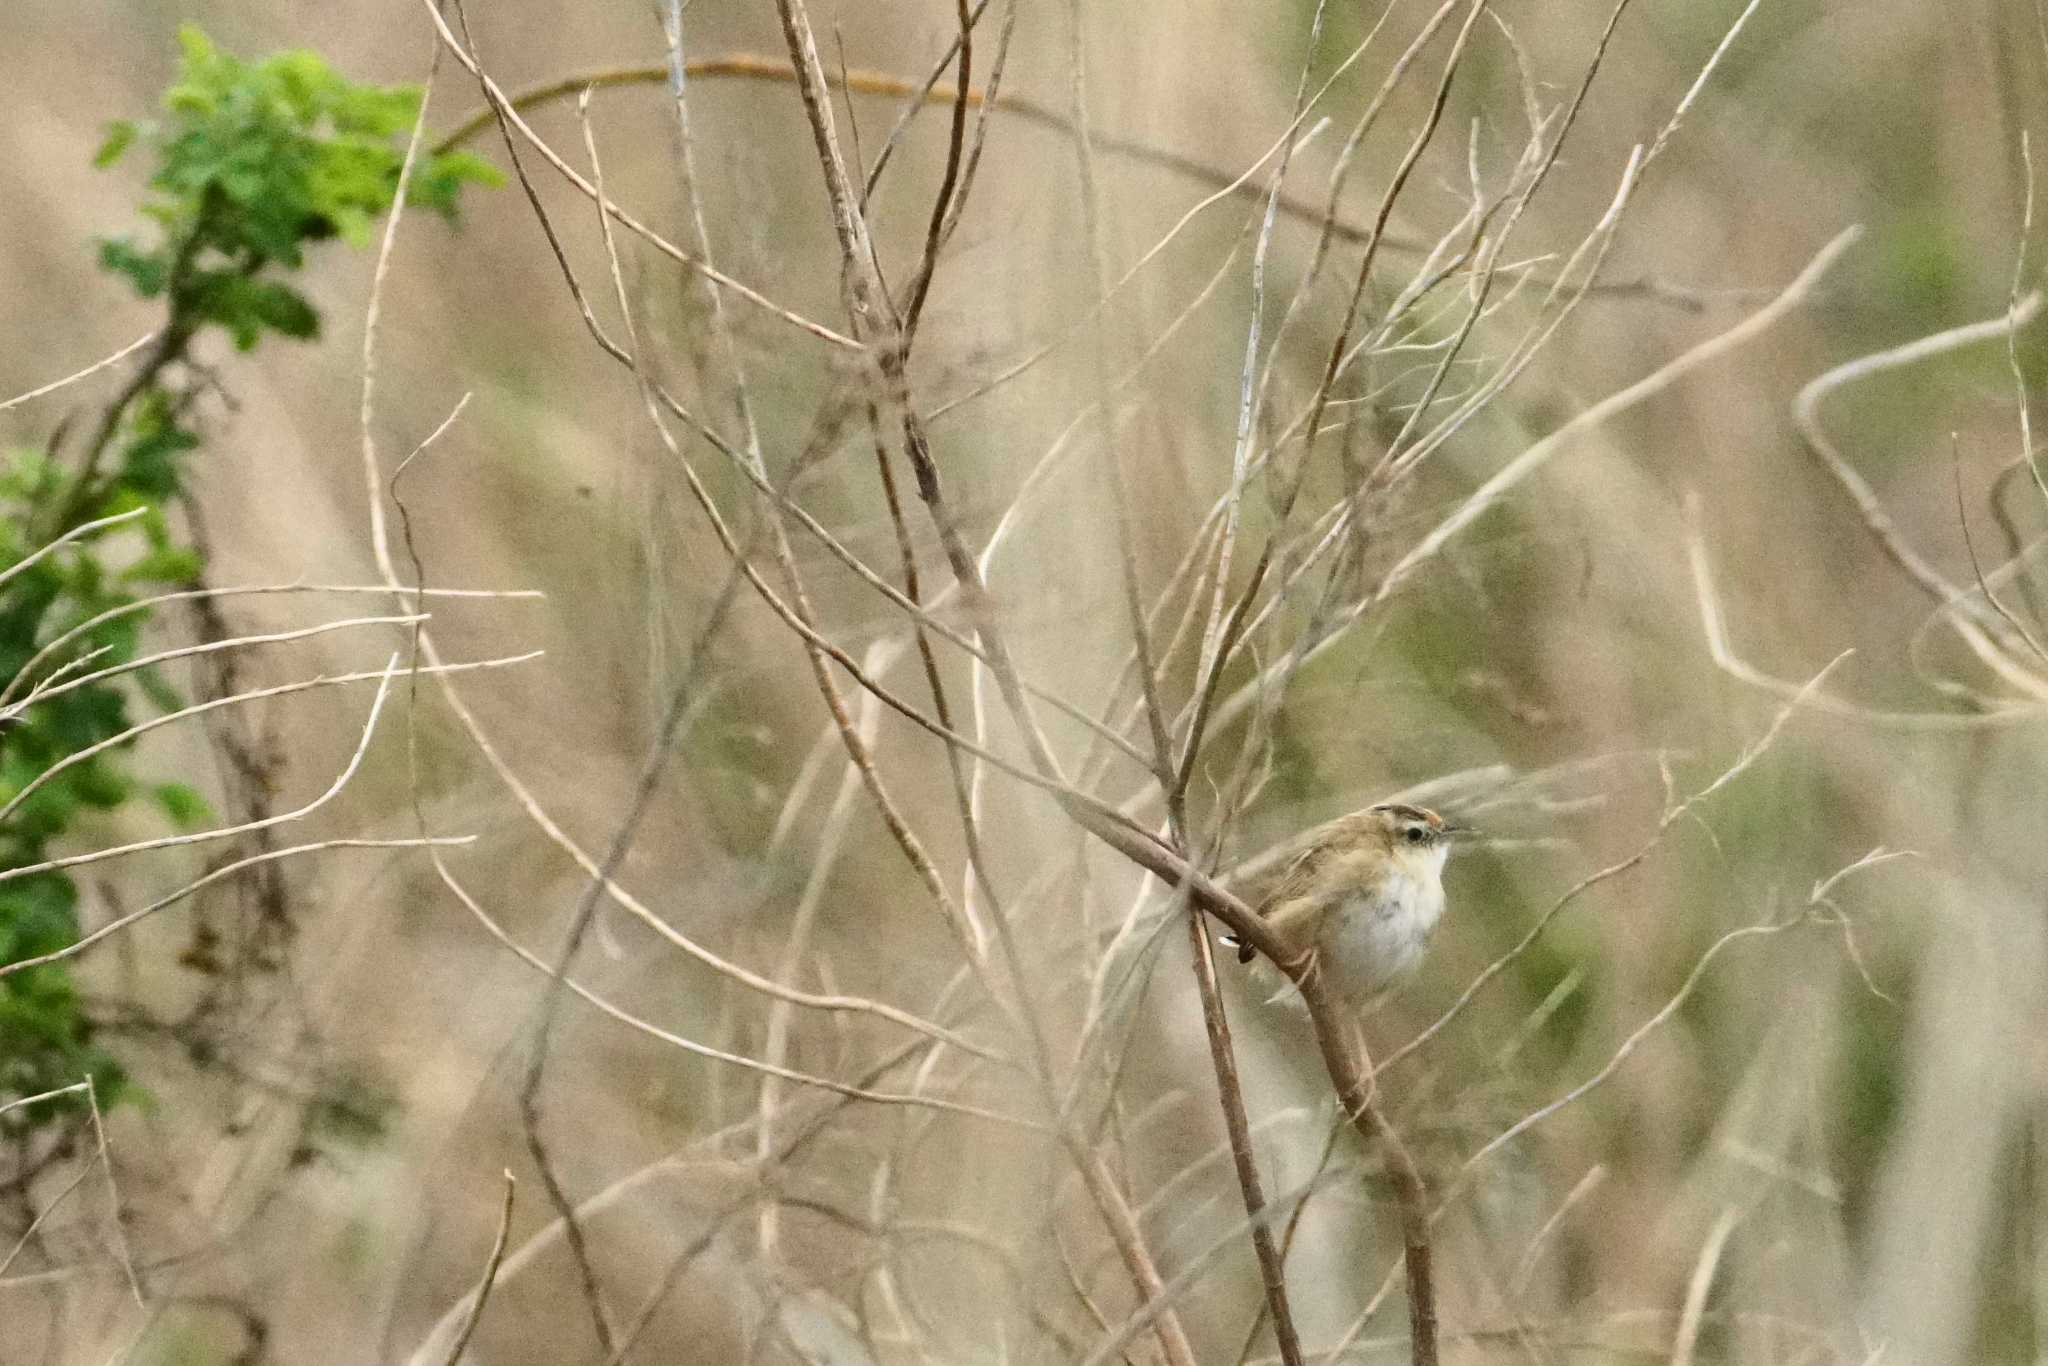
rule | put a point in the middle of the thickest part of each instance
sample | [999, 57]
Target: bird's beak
[1456, 831]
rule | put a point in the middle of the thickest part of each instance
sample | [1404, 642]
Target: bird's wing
[1265, 889]
[1295, 878]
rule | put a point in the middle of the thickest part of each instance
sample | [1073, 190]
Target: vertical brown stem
[1272, 1268]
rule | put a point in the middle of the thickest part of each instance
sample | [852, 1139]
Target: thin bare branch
[77, 533]
[75, 376]
[1673, 813]
[56, 643]
[381, 676]
[482, 1294]
[43, 692]
[702, 1050]
[1694, 1310]
[510, 113]
[1975, 622]
[120, 923]
[1723, 654]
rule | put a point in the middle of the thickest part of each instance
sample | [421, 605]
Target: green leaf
[198, 48]
[183, 804]
[161, 694]
[175, 564]
[149, 461]
[439, 182]
[27, 473]
[38, 915]
[120, 136]
[100, 784]
[283, 309]
[148, 271]
[468, 166]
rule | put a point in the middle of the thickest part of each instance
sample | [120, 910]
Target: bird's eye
[1415, 834]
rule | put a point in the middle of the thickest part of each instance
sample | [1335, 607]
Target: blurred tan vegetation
[1821, 1141]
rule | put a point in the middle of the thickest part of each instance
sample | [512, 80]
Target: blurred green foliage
[251, 163]
[354, 1110]
[45, 1038]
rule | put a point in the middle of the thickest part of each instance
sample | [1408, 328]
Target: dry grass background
[1827, 1145]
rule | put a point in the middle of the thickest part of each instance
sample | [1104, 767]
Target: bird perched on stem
[1362, 892]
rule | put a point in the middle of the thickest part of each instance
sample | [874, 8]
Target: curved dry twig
[1984, 631]
[155, 600]
[482, 1294]
[381, 676]
[706, 1051]
[75, 376]
[1723, 654]
[1673, 813]
[510, 113]
[77, 533]
[119, 923]
[1300, 208]
[44, 691]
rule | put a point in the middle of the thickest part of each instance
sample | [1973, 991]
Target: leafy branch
[252, 163]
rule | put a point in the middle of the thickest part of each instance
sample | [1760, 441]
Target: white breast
[1370, 942]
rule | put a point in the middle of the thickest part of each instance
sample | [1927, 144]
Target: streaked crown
[1410, 827]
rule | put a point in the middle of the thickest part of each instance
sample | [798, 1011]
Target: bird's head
[1413, 834]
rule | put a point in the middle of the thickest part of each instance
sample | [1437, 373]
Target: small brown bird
[1363, 891]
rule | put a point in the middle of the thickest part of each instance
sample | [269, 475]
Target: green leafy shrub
[252, 162]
